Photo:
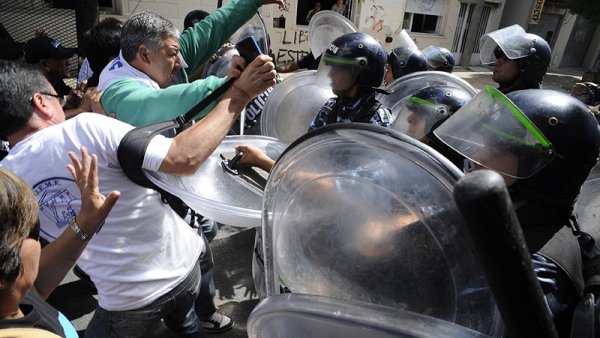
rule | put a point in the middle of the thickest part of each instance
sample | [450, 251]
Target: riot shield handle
[484, 203]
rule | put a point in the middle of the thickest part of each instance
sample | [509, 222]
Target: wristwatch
[78, 232]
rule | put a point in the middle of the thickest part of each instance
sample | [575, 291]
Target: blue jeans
[205, 303]
[176, 307]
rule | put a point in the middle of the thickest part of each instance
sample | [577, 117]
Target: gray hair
[145, 28]
[18, 83]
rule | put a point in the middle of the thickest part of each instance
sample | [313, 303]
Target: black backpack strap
[187, 117]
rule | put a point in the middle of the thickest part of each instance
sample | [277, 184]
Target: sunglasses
[34, 233]
[498, 53]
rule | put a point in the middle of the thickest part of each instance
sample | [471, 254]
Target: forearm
[57, 258]
[194, 145]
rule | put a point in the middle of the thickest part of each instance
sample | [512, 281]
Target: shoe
[217, 323]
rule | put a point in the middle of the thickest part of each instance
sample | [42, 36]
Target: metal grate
[21, 18]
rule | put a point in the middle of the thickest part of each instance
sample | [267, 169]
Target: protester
[137, 83]
[520, 59]
[101, 44]
[53, 61]
[144, 260]
[544, 143]
[29, 273]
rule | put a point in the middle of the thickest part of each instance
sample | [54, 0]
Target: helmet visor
[435, 58]
[494, 133]
[339, 73]
[511, 41]
[417, 116]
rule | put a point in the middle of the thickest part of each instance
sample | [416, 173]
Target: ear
[42, 109]
[142, 54]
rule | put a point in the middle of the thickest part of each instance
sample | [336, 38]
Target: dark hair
[18, 82]
[193, 18]
[18, 216]
[101, 44]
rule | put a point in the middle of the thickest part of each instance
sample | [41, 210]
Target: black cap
[45, 47]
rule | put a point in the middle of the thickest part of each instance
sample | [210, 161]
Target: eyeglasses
[61, 98]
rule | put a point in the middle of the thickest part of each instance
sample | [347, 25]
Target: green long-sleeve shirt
[133, 102]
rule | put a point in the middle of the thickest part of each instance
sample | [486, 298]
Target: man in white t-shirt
[144, 259]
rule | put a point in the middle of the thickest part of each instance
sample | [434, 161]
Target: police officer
[545, 144]
[520, 59]
[405, 59]
[353, 66]
[439, 59]
[427, 108]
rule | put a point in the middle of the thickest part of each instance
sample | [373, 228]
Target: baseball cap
[45, 47]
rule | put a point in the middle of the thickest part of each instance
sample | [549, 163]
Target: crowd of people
[151, 260]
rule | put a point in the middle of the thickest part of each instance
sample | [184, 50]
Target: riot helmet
[548, 141]
[439, 58]
[530, 51]
[575, 135]
[426, 109]
[406, 58]
[354, 58]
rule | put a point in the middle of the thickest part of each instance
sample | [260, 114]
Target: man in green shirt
[137, 84]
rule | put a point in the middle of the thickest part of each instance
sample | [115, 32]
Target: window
[422, 23]
[424, 16]
[305, 6]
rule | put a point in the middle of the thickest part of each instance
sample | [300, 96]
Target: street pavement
[232, 248]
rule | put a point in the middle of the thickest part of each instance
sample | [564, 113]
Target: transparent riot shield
[219, 65]
[326, 26]
[363, 213]
[409, 84]
[307, 316]
[254, 27]
[218, 192]
[293, 105]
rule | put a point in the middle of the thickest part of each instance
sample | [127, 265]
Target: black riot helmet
[359, 56]
[406, 58]
[532, 53]
[429, 107]
[439, 58]
[575, 135]
[546, 141]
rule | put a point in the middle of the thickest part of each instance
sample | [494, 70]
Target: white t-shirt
[144, 249]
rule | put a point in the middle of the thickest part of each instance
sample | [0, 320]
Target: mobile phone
[248, 49]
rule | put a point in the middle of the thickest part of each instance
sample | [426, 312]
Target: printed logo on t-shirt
[59, 201]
